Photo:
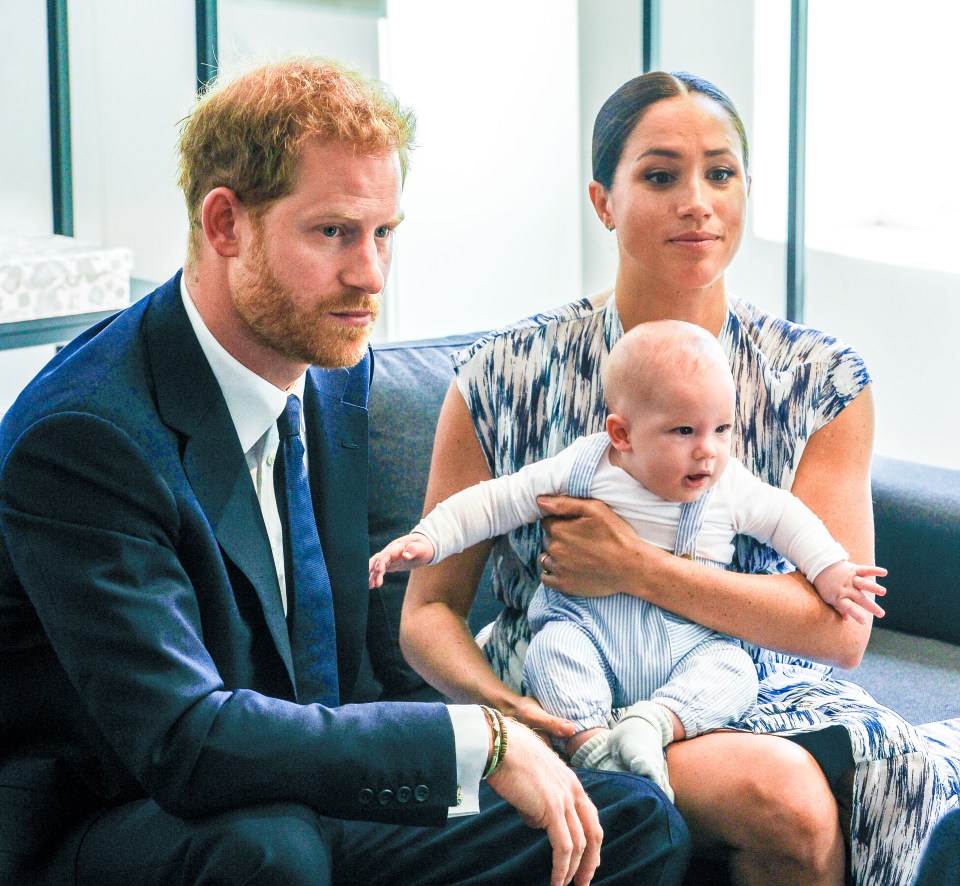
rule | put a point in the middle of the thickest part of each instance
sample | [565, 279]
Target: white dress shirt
[255, 405]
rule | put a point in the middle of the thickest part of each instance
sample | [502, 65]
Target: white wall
[131, 80]
[492, 229]
[251, 28]
[610, 54]
[25, 190]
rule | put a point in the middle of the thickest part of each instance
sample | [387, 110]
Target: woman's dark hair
[622, 111]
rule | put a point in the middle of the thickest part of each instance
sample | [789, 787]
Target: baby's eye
[683, 430]
[724, 429]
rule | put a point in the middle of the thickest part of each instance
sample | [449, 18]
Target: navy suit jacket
[143, 646]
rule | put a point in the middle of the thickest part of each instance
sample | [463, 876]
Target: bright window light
[882, 128]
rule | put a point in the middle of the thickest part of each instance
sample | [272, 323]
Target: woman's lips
[697, 240]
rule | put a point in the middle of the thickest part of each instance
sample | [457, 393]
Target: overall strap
[691, 522]
[584, 467]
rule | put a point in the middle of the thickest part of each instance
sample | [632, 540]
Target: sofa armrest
[917, 515]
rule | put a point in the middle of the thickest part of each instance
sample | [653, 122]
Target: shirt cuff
[471, 735]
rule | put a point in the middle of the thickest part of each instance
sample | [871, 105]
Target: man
[172, 709]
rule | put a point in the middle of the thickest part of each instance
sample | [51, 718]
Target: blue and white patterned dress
[535, 386]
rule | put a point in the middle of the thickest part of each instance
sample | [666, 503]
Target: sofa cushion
[409, 383]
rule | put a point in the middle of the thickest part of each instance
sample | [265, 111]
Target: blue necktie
[313, 639]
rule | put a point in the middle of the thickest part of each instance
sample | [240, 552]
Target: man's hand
[847, 586]
[406, 552]
[547, 795]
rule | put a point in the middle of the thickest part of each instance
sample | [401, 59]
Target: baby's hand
[847, 586]
[407, 552]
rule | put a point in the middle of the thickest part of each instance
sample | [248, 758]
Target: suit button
[365, 797]
[385, 797]
[421, 793]
[404, 794]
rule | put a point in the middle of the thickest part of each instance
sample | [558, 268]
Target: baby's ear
[619, 432]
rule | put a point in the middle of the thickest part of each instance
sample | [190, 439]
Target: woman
[671, 180]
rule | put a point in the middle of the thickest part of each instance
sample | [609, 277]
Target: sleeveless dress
[535, 386]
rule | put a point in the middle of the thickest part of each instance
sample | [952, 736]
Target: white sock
[638, 739]
[594, 753]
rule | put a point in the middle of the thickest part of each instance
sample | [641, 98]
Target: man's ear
[619, 432]
[221, 216]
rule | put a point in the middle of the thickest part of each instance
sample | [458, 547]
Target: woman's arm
[597, 553]
[434, 635]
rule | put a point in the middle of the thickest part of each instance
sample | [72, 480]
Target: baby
[664, 466]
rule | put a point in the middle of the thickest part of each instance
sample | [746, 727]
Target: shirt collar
[254, 404]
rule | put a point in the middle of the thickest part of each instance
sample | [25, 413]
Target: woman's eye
[721, 175]
[659, 177]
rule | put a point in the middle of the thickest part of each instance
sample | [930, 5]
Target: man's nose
[365, 269]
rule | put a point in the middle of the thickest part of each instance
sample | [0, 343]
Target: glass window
[881, 128]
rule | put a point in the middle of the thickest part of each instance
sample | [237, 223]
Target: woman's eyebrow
[671, 154]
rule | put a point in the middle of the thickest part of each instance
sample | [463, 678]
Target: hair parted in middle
[621, 112]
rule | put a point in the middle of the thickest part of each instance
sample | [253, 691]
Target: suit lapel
[190, 401]
[336, 417]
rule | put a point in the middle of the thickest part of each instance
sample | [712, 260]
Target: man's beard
[299, 329]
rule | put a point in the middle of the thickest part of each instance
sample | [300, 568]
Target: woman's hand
[528, 711]
[591, 552]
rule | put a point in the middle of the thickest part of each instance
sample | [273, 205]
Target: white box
[55, 276]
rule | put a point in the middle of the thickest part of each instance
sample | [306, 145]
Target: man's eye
[383, 232]
[330, 230]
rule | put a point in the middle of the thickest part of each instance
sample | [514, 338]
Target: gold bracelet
[493, 718]
[502, 722]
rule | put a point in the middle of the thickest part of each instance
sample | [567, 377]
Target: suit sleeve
[97, 537]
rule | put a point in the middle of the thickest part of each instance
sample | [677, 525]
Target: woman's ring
[543, 563]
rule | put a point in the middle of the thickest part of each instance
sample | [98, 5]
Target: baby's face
[680, 437]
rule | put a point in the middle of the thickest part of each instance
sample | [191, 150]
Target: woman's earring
[610, 225]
